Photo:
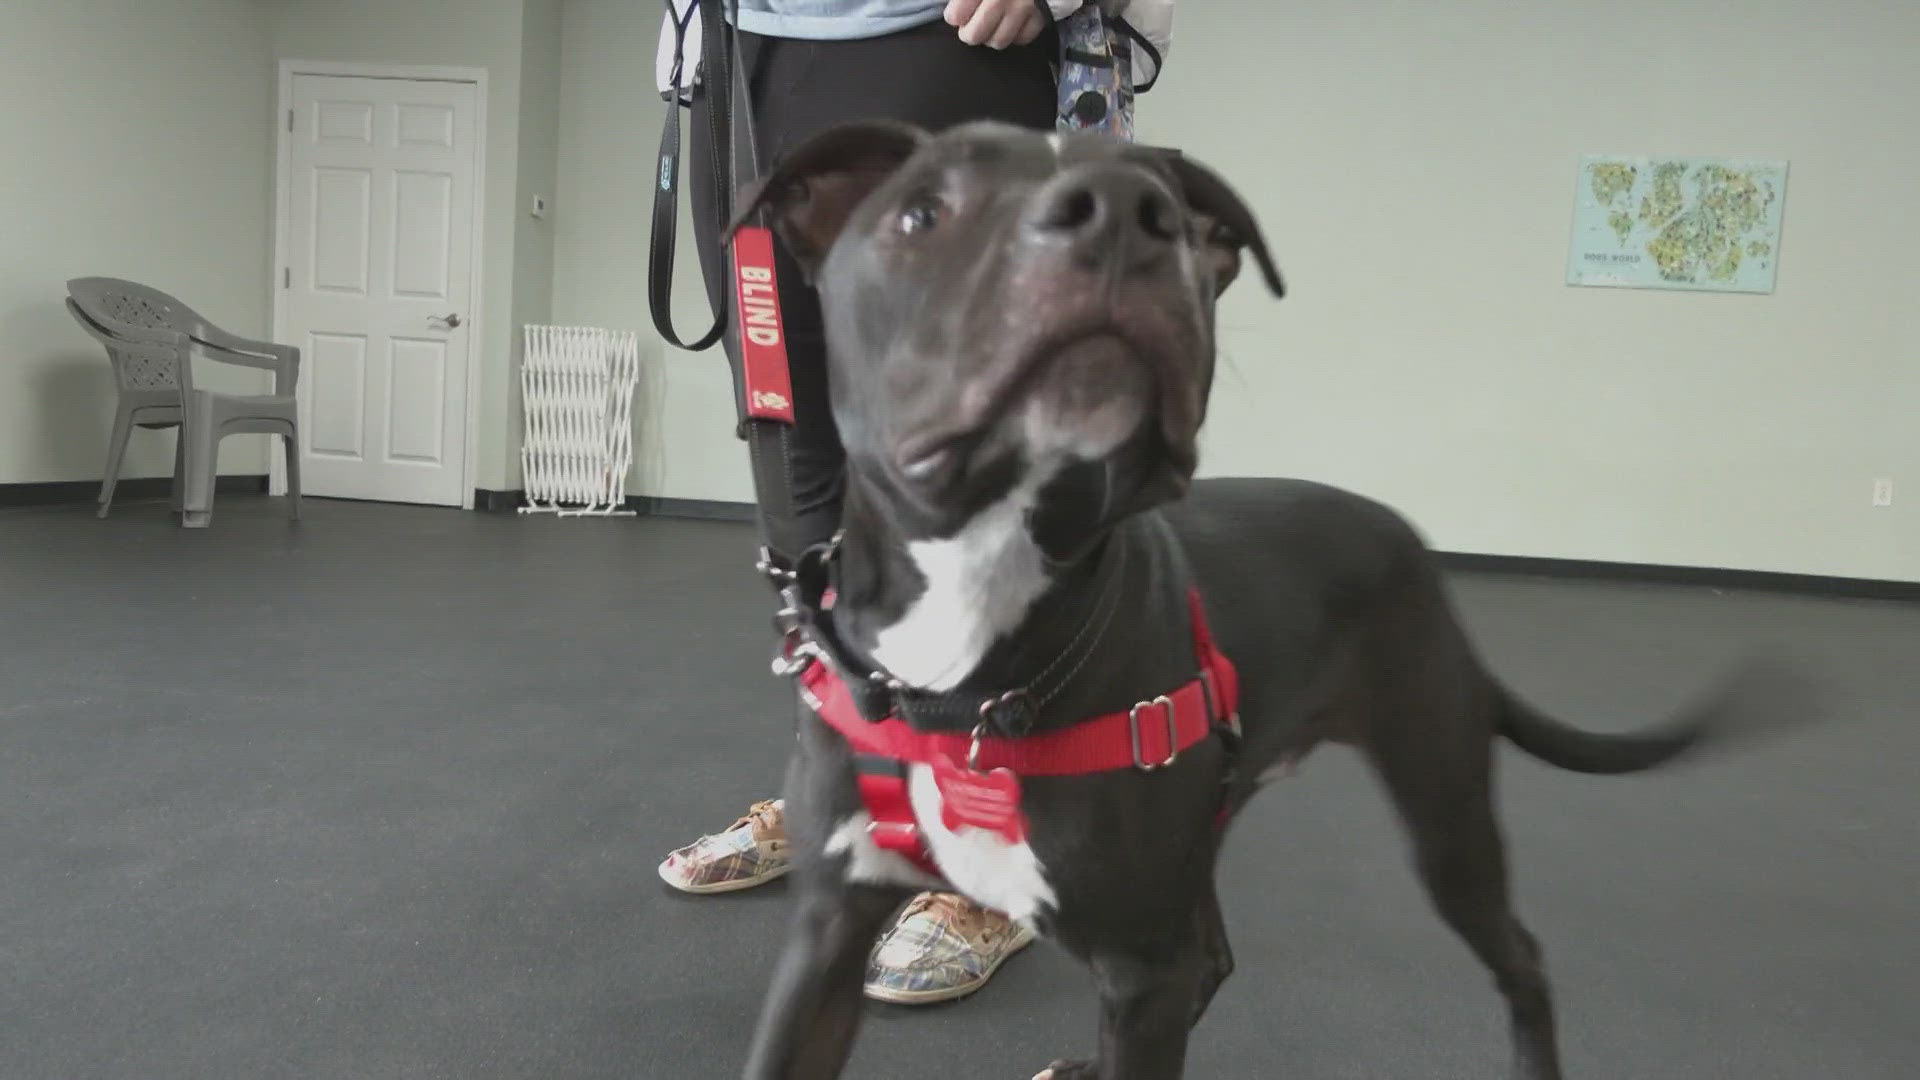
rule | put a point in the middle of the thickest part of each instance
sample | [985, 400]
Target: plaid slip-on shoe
[941, 947]
[752, 851]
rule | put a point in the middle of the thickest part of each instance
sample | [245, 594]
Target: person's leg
[942, 947]
[796, 470]
[797, 467]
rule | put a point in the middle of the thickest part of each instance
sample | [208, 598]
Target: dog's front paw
[1070, 1070]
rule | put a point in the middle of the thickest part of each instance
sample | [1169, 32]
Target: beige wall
[150, 156]
[609, 132]
[131, 148]
[538, 164]
[1415, 165]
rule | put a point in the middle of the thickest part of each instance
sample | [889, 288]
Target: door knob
[452, 321]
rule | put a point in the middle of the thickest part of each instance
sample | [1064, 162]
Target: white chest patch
[869, 862]
[980, 582]
[1005, 877]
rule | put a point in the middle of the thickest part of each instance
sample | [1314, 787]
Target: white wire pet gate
[577, 383]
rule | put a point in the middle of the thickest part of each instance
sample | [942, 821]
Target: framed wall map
[1677, 223]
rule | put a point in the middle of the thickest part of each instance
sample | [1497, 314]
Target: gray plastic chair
[150, 339]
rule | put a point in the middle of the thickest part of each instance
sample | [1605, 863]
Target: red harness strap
[987, 767]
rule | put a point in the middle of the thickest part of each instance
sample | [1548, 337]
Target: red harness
[979, 774]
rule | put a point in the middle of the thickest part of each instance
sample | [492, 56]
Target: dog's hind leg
[1446, 802]
[1219, 953]
[1146, 1010]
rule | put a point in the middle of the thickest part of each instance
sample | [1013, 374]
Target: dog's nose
[1099, 207]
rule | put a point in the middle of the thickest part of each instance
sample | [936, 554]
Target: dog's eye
[919, 215]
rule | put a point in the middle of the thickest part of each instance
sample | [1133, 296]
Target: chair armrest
[209, 334]
[283, 360]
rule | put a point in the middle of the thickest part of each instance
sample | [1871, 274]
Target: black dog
[1021, 337]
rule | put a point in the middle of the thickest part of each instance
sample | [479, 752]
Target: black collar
[807, 630]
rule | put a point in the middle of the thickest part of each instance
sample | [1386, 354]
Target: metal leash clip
[796, 649]
[973, 747]
[771, 569]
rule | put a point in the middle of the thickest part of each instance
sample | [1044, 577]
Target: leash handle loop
[666, 197]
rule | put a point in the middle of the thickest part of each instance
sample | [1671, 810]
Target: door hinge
[289, 119]
[286, 277]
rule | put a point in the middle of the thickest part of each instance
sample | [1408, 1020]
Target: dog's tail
[1759, 696]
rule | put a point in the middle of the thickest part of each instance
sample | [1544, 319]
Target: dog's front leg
[1146, 1010]
[813, 1008]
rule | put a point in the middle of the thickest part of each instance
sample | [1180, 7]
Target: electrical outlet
[1883, 493]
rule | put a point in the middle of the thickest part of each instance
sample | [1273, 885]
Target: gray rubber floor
[381, 794]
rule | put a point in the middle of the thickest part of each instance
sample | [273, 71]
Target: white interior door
[376, 290]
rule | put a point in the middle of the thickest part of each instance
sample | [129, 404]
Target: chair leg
[116, 456]
[179, 488]
[292, 446]
[203, 454]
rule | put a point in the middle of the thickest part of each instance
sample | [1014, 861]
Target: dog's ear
[814, 189]
[1223, 224]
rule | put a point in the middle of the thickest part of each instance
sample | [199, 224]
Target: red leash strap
[763, 339]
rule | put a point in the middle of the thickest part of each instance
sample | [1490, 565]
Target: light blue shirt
[835, 20]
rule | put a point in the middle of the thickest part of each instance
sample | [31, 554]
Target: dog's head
[1005, 308]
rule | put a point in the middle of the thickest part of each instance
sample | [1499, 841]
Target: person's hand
[996, 24]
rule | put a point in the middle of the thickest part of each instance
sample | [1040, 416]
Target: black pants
[925, 76]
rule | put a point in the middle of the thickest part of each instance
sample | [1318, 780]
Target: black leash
[722, 75]
[739, 104]
[764, 399]
[666, 195]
